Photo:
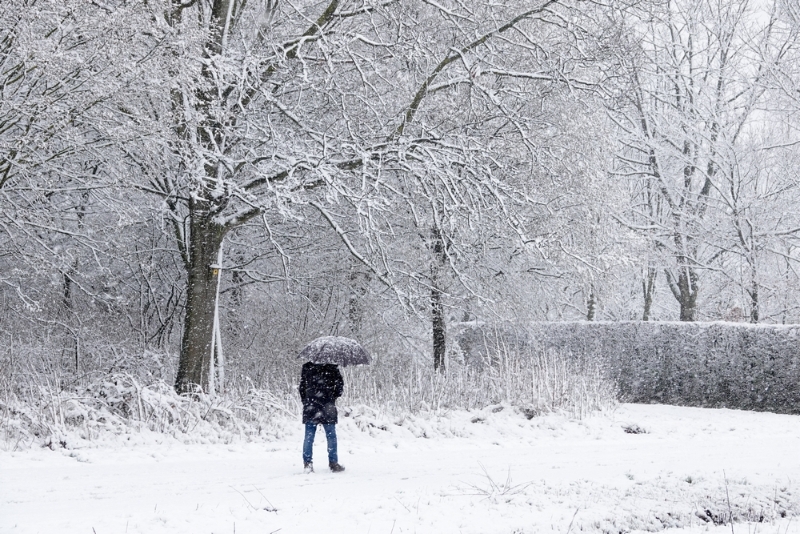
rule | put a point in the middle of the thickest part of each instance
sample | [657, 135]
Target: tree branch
[423, 90]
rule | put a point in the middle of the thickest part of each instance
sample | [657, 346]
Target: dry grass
[48, 405]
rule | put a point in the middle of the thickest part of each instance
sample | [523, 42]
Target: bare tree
[65, 69]
[288, 111]
[694, 84]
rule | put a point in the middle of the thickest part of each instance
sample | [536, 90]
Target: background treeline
[386, 170]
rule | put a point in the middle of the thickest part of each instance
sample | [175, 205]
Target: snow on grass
[636, 468]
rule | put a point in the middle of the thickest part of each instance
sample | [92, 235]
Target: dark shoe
[336, 467]
[308, 467]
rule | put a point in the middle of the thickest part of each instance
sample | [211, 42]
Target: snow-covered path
[565, 476]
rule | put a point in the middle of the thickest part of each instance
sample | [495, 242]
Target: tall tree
[694, 80]
[290, 111]
[66, 68]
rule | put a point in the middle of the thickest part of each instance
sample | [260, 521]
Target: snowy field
[481, 472]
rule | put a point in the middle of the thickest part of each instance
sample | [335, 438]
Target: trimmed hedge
[721, 365]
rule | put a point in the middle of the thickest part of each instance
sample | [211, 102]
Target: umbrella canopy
[337, 350]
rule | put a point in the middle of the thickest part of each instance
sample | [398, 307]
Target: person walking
[320, 385]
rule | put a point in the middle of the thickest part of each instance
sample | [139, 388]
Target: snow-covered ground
[481, 472]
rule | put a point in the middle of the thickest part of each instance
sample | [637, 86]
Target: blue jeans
[308, 442]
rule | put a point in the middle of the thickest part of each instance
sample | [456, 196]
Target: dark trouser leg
[308, 442]
[330, 433]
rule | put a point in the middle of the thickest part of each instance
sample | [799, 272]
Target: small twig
[243, 497]
[271, 508]
[572, 520]
[728, 497]
[403, 505]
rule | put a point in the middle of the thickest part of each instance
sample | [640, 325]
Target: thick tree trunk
[688, 311]
[194, 367]
[437, 302]
[685, 290]
[754, 303]
[357, 290]
[687, 294]
[439, 337]
[687, 282]
[66, 296]
[753, 293]
[648, 288]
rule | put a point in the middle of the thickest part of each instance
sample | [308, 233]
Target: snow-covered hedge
[733, 365]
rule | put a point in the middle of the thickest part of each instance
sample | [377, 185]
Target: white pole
[211, 387]
[220, 354]
[216, 340]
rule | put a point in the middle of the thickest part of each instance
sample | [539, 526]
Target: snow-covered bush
[119, 407]
[733, 365]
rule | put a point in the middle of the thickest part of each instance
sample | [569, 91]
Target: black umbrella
[335, 349]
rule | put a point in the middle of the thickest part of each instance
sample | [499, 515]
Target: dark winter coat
[320, 385]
